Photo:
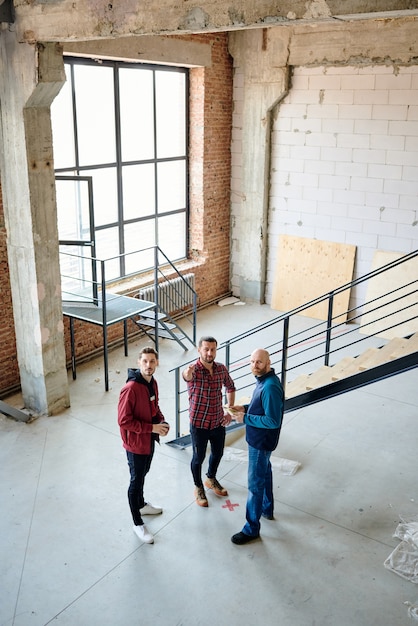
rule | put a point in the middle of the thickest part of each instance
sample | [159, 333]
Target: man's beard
[208, 359]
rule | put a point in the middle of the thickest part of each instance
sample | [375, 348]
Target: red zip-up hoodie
[138, 410]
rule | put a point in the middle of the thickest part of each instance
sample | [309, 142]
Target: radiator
[173, 294]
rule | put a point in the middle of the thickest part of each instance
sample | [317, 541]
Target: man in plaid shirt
[205, 380]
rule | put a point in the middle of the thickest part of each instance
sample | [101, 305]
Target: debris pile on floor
[229, 301]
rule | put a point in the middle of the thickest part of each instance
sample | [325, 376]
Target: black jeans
[139, 465]
[200, 438]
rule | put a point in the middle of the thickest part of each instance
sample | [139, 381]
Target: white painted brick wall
[344, 163]
[351, 162]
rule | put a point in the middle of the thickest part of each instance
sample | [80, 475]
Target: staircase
[322, 359]
[389, 354]
[175, 297]
[167, 328]
[88, 296]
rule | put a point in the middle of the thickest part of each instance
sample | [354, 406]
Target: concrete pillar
[262, 55]
[31, 78]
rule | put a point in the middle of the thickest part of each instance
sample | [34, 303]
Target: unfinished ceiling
[73, 20]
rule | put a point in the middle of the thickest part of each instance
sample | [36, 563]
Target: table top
[118, 308]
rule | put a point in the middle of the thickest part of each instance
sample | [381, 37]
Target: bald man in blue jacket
[263, 420]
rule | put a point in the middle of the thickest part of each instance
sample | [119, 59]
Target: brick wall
[9, 371]
[210, 153]
[210, 176]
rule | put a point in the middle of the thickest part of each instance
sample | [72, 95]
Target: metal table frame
[108, 311]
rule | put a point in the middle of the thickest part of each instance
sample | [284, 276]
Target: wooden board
[309, 268]
[380, 287]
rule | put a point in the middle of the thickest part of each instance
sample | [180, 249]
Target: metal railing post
[227, 354]
[177, 400]
[329, 324]
[284, 350]
[104, 324]
[227, 363]
[194, 317]
[156, 297]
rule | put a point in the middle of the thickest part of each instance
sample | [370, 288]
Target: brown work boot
[212, 483]
[200, 495]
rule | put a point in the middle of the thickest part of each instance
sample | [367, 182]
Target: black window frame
[79, 170]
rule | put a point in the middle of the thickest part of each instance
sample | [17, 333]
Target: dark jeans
[139, 465]
[200, 438]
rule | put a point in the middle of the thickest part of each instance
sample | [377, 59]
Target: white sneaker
[149, 509]
[143, 534]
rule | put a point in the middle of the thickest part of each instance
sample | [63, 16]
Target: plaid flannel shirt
[205, 395]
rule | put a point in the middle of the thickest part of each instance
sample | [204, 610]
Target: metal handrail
[94, 291]
[159, 274]
[319, 337]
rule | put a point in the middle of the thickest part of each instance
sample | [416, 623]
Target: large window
[125, 125]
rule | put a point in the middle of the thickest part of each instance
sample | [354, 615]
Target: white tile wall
[344, 163]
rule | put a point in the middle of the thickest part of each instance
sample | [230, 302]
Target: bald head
[260, 362]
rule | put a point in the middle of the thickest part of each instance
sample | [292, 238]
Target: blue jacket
[263, 416]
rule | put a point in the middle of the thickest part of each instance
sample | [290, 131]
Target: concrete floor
[69, 556]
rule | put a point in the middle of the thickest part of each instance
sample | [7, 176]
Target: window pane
[76, 273]
[95, 114]
[62, 126]
[105, 196]
[171, 186]
[170, 107]
[139, 236]
[172, 235]
[73, 210]
[152, 103]
[107, 247]
[136, 114]
[138, 191]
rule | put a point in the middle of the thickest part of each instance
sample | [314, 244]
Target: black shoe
[267, 516]
[241, 538]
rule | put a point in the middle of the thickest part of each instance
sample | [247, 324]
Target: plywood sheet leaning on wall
[380, 288]
[309, 268]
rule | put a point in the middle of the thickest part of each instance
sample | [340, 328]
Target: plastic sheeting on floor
[286, 466]
[412, 610]
[404, 558]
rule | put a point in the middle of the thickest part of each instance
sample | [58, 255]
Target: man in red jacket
[141, 424]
